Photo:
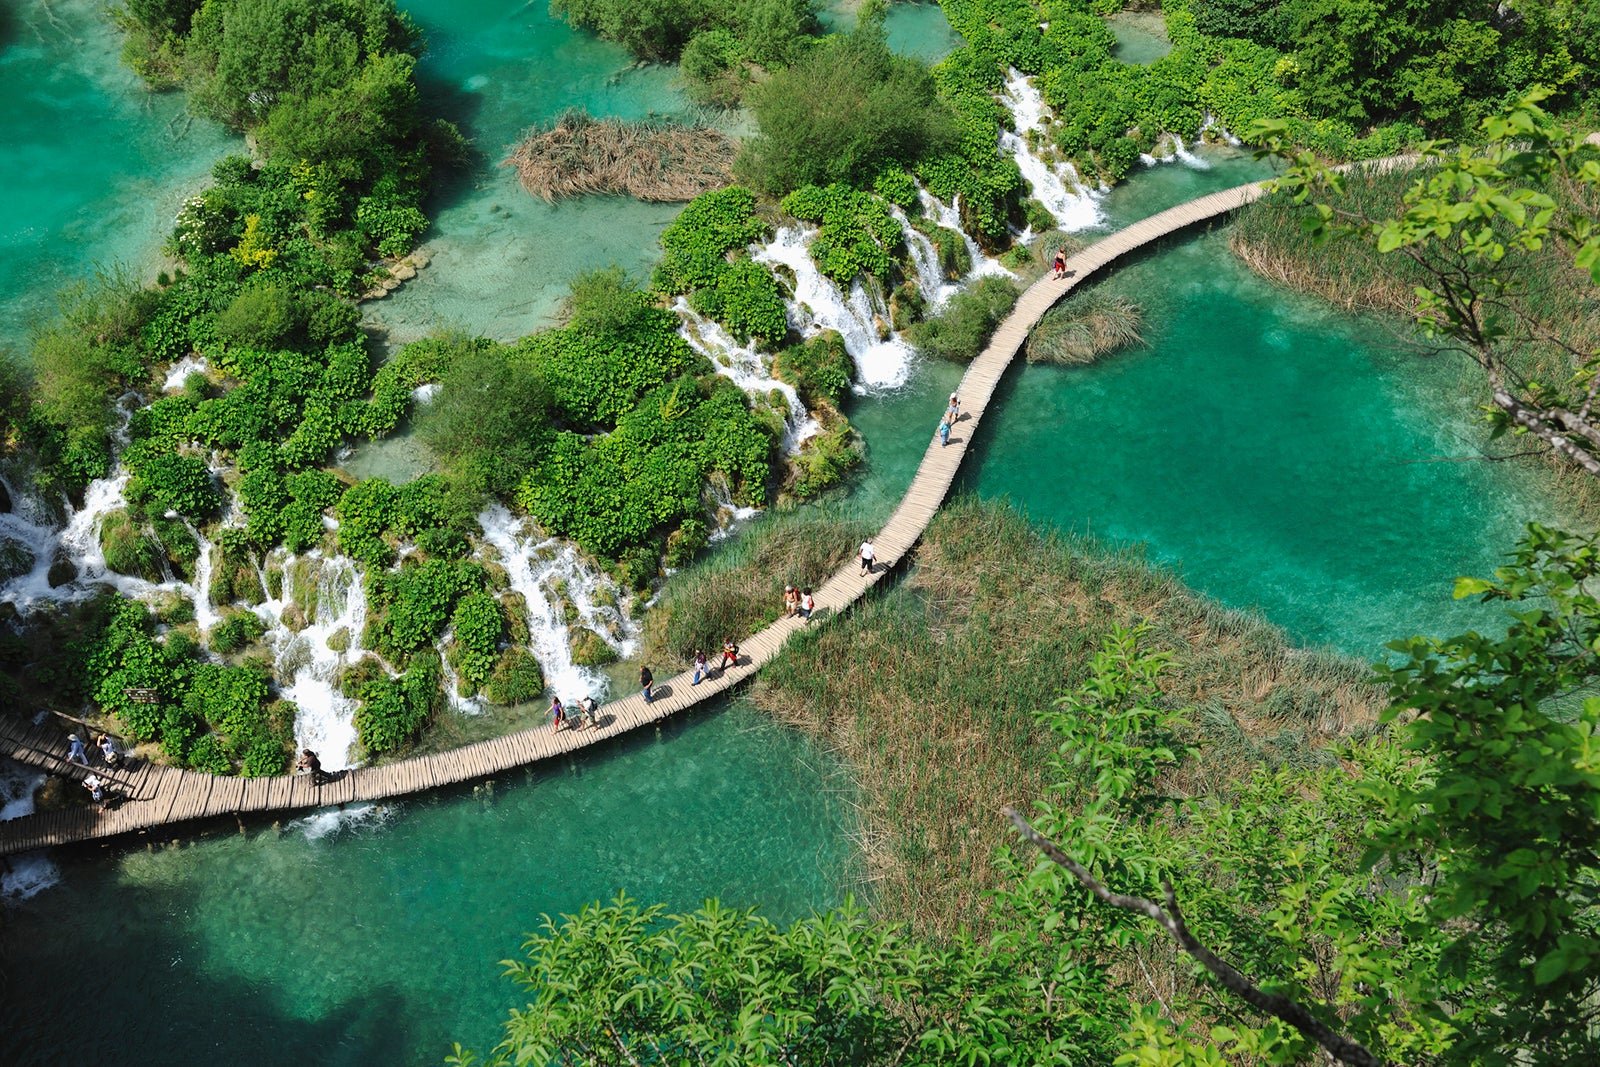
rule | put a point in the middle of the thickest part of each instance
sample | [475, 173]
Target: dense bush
[857, 235]
[820, 369]
[964, 327]
[408, 608]
[848, 109]
[516, 679]
[477, 626]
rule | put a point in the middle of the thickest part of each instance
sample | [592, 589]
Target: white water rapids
[1055, 185]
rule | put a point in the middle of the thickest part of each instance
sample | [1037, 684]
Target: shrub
[259, 317]
[128, 549]
[964, 327]
[207, 754]
[265, 758]
[237, 630]
[181, 484]
[478, 628]
[365, 512]
[820, 370]
[857, 235]
[517, 678]
[386, 720]
[697, 242]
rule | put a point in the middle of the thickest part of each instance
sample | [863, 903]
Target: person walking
[646, 680]
[591, 711]
[108, 750]
[75, 752]
[730, 655]
[97, 790]
[807, 605]
[791, 600]
[1059, 267]
[558, 712]
[701, 668]
[952, 414]
[944, 431]
[866, 554]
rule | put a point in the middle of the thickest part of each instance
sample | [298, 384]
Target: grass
[739, 589]
[928, 690]
[580, 154]
[1084, 328]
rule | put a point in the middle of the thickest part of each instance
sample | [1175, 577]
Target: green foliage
[127, 548]
[365, 513]
[175, 483]
[961, 330]
[236, 630]
[745, 299]
[517, 678]
[489, 420]
[820, 369]
[388, 718]
[478, 627]
[847, 110]
[696, 243]
[825, 459]
[259, 317]
[857, 235]
[408, 608]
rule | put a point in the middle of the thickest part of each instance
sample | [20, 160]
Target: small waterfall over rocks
[1058, 187]
[1175, 152]
[533, 564]
[307, 662]
[30, 873]
[747, 369]
[883, 359]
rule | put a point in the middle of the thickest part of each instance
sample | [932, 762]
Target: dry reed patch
[929, 690]
[580, 154]
[1085, 328]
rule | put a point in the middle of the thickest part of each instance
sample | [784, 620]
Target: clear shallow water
[1280, 455]
[377, 940]
[1141, 36]
[917, 29]
[94, 166]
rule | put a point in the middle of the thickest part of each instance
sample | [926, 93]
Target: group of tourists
[586, 710]
[952, 415]
[798, 602]
[109, 755]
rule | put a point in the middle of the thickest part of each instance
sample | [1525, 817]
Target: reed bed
[580, 154]
[1085, 328]
[928, 688]
[739, 589]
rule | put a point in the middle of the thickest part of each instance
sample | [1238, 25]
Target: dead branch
[1171, 920]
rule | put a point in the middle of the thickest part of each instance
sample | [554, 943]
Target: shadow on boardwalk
[157, 796]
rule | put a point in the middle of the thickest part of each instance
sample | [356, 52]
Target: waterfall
[30, 873]
[182, 369]
[925, 257]
[1209, 122]
[1058, 188]
[326, 720]
[1179, 154]
[532, 564]
[819, 305]
[746, 368]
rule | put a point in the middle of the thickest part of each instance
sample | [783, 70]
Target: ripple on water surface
[374, 936]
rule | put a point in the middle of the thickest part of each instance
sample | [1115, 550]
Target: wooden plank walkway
[158, 796]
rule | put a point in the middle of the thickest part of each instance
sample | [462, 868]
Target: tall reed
[579, 154]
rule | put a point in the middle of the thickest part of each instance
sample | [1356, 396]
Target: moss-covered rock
[589, 649]
[517, 679]
[128, 549]
[16, 559]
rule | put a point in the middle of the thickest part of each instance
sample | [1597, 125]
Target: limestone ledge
[400, 271]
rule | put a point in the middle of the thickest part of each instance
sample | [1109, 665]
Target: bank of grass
[579, 154]
[739, 589]
[928, 688]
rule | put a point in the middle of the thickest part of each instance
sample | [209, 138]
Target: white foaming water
[24, 875]
[326, 720]
[182, 369]
[325, 822]
[925, 257]
[533, 563]
[729, 515]
[1209, 122]
[452, 695]
[1058, 187]
[747, 369]
[1179, 154]
[819, 305]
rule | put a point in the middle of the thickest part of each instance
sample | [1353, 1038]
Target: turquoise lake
[1281, 456]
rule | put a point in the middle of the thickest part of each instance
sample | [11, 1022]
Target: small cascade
[31, 873]
[205, 614]
[326, 722]
[532, 565]
[1208, 122]
[818, 304]
[181, 370]
[1180, 154]
[1058, 187]
[729, 515]
[949, 217]
[746, 368]
[925, 261]
[452, 693]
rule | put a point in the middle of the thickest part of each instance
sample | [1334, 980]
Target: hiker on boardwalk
[1059, 267]
[97, 790]
[791, 600]
[75, 752]
[952, 414]
[866, 553]
[944, 431]
[108, 750]
[730, 654]
[701, 668]
[558, 712]
[646, 680]
[591, 711]
[309, 763]
[807, 605]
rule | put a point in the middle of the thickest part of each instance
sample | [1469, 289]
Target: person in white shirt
[866, 553]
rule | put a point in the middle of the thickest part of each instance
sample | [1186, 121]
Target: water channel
[1278, 453]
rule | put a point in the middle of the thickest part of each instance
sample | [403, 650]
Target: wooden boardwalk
[160, 796]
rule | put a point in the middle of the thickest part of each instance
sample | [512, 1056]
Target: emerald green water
[378, 941]
[94, 167]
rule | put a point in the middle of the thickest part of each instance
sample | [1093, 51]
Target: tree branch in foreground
[1170, 919]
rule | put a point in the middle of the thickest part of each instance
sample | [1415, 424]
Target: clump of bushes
[820, 369]
[960, 331]
[516, 679]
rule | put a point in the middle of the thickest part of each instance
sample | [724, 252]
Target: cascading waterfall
[818, 304]
[180, 371]
[533, 563]
[746, 368]
[1058, 187]
[326, 720]
[1179, 154]
[1209, 123]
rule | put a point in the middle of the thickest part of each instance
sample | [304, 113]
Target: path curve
[159, 796]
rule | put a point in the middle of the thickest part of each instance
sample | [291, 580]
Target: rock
[405, 271]
[294, 618]
[419, 259]
[62, 570]
[16, 559]
[391, 284]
